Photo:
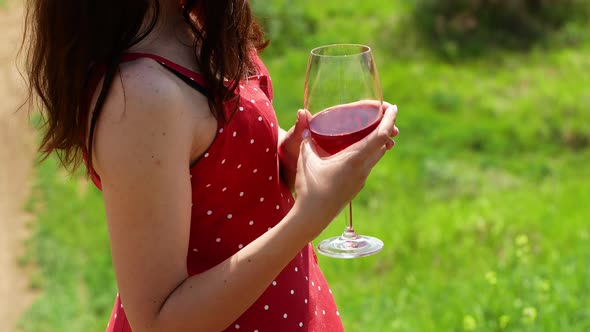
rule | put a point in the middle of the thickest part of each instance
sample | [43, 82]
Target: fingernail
[390, 144]
[298, 114]
[306, 134]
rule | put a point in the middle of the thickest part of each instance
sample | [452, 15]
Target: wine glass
[343, 93]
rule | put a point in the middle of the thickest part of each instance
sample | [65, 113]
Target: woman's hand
[289, 147]
[325, 183]
[290, 143]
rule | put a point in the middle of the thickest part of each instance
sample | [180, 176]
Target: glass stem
[349, 233]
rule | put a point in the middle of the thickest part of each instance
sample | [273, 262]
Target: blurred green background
[483, 205]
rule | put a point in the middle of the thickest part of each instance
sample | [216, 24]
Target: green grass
[70, 245]
[482, 205]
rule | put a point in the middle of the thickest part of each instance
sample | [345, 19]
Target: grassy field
[483, 205]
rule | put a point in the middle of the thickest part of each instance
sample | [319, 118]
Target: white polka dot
[292, 292]
[316, 313]
[253, 101]
[237, 326]
[207, 155]
[220, 130]
[296, 269]
[255, 170]
[274, 283]
[115, 316]
[240, 246]
[319, 288]
[259, 118]
[261, 199]
[241, 86]
[277, 207]
[306, 278]
[300, 324]
[224, 189]
[209, 212]
[241, 109]
[267, 104]
[337, 313]
[285, 315]
[218, 240]
[225, 79]
[252, 141]
[267, 149]
[122, 303]
[330, 290]
[251, 222]
[223, 161]
[324, 312]
[305, 301]
[209, 185]
[255, 330]
[312, 283]
[266, 307]
[235, 133]
[239, 166]
[242, 194]
[195, 250]
[272, 125]
[255, 89]
[270, 178]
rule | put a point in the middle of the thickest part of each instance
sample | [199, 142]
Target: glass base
[350, 245]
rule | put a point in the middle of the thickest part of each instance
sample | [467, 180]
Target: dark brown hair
[66, 40]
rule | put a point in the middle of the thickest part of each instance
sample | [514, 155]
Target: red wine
[335, 128]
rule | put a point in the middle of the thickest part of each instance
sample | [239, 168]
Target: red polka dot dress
[238, 195]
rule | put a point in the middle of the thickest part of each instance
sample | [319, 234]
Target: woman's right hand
[324, 183]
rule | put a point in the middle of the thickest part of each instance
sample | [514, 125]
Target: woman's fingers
[390, 144]
[386, 105]
[301, 123]
[382, 134]
[395, 130]
[380, 137]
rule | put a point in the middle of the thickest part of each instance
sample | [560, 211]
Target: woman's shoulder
[146, 79]
[145, 86]
[147, 109]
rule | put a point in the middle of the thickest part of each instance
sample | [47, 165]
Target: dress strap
[192, 78]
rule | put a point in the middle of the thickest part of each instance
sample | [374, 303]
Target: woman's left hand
[289, 145]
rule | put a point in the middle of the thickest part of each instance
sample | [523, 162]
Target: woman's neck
[171, 37]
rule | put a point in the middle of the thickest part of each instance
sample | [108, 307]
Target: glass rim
[363, 49]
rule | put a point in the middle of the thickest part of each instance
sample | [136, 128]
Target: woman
[170, 106]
